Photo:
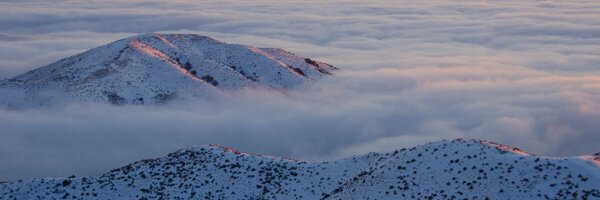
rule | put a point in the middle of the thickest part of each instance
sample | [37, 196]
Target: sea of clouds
[522, 73]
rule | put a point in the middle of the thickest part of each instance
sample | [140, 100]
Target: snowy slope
[154, 68]
[441, 170]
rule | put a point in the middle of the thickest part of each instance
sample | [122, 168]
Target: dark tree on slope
[311, 62]
[299, 71]
[114, 98]
[209, 79]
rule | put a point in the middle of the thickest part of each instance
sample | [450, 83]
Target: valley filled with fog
[519, 73]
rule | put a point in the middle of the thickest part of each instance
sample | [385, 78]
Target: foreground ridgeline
[155, 68]
[441, 170]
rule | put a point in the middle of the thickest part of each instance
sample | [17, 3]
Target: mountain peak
[154, 68]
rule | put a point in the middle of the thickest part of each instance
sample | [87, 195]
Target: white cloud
[353, 112]
[550, 36]
[524, 73]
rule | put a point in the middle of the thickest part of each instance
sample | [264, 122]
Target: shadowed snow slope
[441, 170]
[154, 68]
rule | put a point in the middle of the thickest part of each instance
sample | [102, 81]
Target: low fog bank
[523, 73]
[557, 36]
[352, 113]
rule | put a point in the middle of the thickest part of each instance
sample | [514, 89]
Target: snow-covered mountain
[441, 170]
[155, 68]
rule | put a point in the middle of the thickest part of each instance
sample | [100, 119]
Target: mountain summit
[154, 68]
[459, 169]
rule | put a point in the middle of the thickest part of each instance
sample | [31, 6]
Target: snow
[441, 170]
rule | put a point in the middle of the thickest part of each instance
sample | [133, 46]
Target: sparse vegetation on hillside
[444, 170]
[209, 79]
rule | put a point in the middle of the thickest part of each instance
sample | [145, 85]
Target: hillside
[155, 68]
[441, 170]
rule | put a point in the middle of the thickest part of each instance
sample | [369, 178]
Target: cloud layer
[549, 36]
[520, 73]
[352, 113]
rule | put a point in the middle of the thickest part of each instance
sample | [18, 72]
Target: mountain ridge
[155, 68]
[439, 170]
